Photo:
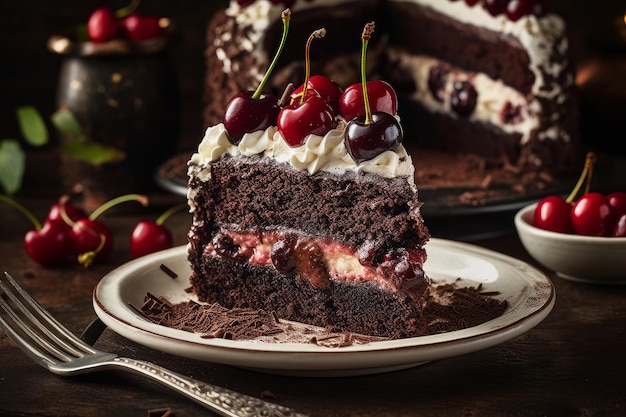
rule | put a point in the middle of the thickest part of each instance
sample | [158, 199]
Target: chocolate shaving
[161, 412]
[447, 307]
[211, 320]
[168, 271]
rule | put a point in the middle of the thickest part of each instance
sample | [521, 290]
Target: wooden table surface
[571, 364]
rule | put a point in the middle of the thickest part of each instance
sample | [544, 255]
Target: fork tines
[33, 329]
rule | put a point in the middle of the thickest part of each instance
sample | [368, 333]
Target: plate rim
[421, 348]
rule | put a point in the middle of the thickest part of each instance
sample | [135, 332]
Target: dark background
[29, 72]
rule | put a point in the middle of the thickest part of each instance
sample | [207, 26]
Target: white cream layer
[493, 95]
[319, 153]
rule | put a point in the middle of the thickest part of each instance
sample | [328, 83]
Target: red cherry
[381, 97]
[48, 246]
[102, 25]
[553, 213]
[592, 215]
[518, 8]
[617, 201]
[327, 89]
[471, 2]
[245, 114]
[91, 240]
[463, 98]
[140, 28]
[365, 141]
[619, 230]
[255, 110]
[73, 212]
[495, 7]
[149, 237]
[313, 117]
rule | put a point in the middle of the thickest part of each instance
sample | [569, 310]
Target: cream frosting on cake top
[319, 153]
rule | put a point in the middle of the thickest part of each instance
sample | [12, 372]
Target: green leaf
[65, 122]
[12, 165]
[92, 152]
[32, 126]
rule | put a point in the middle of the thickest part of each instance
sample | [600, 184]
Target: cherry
[309, 113]
[139, 28]
[371, 134]
[437, 81]
[151, 236]
[226, 247]
[518, 8]
[617, 201]
[381, 98]
[592, 215]
[251, 111]
[366, 140]
[102, 25]
[248, 112]
[553, 214]
[619, 230]
[297, 121]
[282, 254]
[91, 239]
[495, 7]
[463, 98]
[327, 89]
[73, 212]
[471, 2]
[48, 245]
[510, 113]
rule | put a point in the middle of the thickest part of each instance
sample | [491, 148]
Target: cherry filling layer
[322, 260]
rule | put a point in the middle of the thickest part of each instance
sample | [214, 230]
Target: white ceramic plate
[529, 292]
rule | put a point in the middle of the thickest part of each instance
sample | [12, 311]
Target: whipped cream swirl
[319, 153]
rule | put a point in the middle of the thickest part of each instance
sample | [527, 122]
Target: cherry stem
[587, 174]
[365, 37]
[142, 199]
[320, 33]
[286, 16]
[161, 219]
[285, 97]
[126, 10]
[36, 223]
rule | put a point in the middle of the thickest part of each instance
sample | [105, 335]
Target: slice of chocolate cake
[308, 233]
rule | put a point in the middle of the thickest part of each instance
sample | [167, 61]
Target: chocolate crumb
[168, 271]
[267, 395]
[161, 412]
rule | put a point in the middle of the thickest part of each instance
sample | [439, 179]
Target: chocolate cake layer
[422, 31]
[359, 210]
[343, 306]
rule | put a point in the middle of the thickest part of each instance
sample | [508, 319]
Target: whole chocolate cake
[489, 80]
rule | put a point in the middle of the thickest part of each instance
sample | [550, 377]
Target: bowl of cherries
[581, 239]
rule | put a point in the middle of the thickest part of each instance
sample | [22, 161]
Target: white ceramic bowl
[599, 260]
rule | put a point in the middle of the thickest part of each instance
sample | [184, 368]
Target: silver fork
[54, 347]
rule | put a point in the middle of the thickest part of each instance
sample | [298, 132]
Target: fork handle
[220, 400]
